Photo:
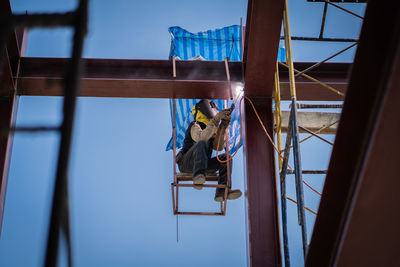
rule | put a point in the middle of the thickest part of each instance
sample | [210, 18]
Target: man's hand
[224, 114]
[225, 121]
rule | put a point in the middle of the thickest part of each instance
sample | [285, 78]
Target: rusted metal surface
[357, 223]
[6, 78]
[263, 27]
[129, 88]
[8, 104]
[333, 74]
[153, 78]
[264, 244]
[8, 110]
[264, 19]
[133, 69]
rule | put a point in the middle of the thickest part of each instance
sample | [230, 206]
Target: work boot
[198, 180]
[219, 195]
[232, 194]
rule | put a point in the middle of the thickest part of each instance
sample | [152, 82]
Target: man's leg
[195, 160]
[214, 164]
[223, 178]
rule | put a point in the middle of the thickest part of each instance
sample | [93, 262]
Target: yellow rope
[278, 114]
[310, 210]
[315, 80]
[321, 129]
[308, 137]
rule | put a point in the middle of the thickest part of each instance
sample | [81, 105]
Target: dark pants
[198, 161]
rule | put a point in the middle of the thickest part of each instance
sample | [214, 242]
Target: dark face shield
[208, 108]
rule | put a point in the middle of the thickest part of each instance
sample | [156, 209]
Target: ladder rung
[302, 106]
[182, 177]
[308, 171]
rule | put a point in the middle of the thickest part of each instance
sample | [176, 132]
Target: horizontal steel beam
[153, 79]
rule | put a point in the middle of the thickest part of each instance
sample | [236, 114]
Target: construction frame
[344, 230]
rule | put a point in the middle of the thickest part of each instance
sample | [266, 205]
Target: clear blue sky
[120, 174]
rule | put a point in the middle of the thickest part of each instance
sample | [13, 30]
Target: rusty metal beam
[153, 78]
[264, 19]
[333, 74]
[262, 214]
[8, 110]
[130, 78]
[357, 223]
[8, 101]
[6, 78]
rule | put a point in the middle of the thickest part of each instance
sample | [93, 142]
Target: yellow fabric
[200, 116]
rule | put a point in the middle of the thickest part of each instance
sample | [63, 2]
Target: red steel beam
[8, 110]
[130, 78]
[262, 215]
[153, 78]
[358, 219]
[264, 19]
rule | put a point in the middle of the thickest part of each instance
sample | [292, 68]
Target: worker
[201, 138]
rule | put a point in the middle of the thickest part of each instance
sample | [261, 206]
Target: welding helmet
[204, 111]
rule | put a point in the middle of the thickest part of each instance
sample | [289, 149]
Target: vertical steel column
[7, 108]
[9, 69]
[295, 132]
[264, 243]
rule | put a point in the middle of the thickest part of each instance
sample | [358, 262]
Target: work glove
[225, 121]
[223, 114]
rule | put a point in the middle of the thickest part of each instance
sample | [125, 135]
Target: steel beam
[264, 19]
[357, 223]
[8, 100]
[8, 110]
[130, 78]
[153, 78]
[262, 213]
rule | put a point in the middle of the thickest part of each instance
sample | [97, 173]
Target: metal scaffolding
[292, 137]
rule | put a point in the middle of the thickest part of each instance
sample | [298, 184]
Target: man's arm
[220, 137]
[198, 134]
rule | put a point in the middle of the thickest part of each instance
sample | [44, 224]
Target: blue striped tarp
[211, 45]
